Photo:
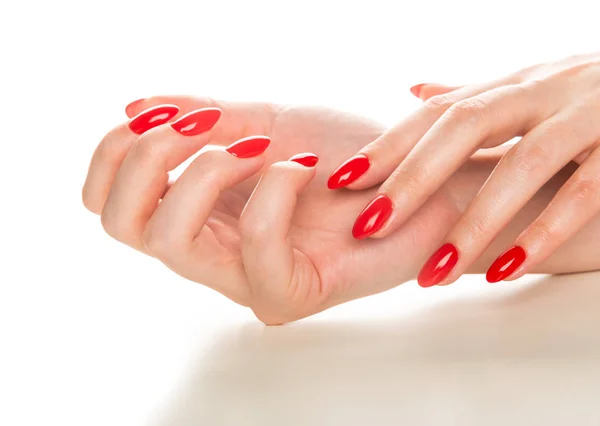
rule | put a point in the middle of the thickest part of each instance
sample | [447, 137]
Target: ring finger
[575, 204]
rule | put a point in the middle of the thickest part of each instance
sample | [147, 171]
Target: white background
[93, 333]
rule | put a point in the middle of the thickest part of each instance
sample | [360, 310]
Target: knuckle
[113, 226]
[522, 75]
[209, 162]
[585, 188]
[529, 158]
[108, 150]
[440, 103]
[544, 231]
[475, 230]
[161, 243]
[408, 179]
[254, 231]
[578, 69]
[254, 227]
[145, 150]
[469, 110]
[536, 86]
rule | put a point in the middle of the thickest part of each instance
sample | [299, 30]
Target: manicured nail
[438, 266]
[506, 264]
[197, 122]
[372, 218]
[348, 172]
[249, 147]
[130, 109]
[152, 117]
[416, 90]
[306, 159]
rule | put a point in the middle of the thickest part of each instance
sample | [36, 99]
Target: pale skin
[555, 107]
[266, 232]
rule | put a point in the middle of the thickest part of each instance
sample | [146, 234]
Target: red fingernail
[197, 122]
[348, 172]
[372, 218]
[506, 264]
[306, 159]
[249, 147]
[130, 109]
[416, 90]
[152, 117]
[438, 266]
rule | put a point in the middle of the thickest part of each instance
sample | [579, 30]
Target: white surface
[93, 333]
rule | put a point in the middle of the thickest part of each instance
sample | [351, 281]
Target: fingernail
[197, 122]
[416, 90]
[130, 108]
[249, 147]
[348, 172]
[438, 266]
[372, 218]
[507, 263]
[152, 117]
[307, 159]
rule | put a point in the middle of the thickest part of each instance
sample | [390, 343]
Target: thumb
[284, 283]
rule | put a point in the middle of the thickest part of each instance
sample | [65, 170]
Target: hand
[263, 231]
[555, 108]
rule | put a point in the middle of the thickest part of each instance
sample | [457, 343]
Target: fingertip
[416, 89]
[506, 264]
[349, 171]
[197, 122]
[307, 159]
[430, 90]
[373, 217]
[134, 108]
[250, 146]
[152, 117]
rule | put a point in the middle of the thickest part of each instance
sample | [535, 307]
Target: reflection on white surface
[528, 355]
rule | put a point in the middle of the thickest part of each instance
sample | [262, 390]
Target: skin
[554, 107]
[266, 232]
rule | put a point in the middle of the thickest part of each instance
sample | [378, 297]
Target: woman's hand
[263, 231]
[555, 108]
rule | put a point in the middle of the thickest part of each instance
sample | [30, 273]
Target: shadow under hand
[529, 357]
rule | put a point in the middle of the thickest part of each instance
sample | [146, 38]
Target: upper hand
[556, 110]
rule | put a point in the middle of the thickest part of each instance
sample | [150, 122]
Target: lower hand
[263, 231]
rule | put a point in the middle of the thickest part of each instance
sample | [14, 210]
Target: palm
[323, 219]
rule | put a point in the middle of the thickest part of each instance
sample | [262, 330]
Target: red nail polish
[373, 217]
[416, 90]
[197, 122]
[506, 264]
[249, 147]
[130, 109]
[438, 266]
[348, 172]
[152, 117]
[306, 159]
